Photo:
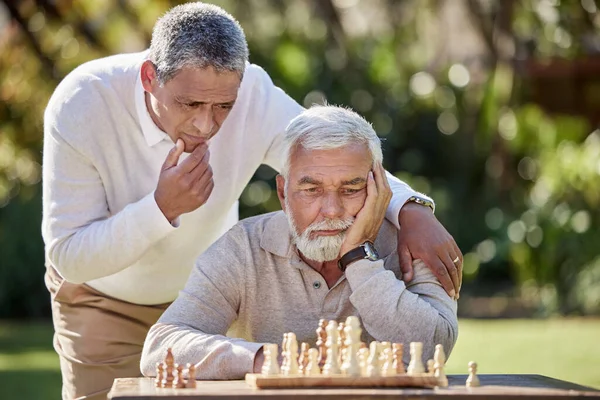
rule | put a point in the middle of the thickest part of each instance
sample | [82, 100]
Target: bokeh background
[490, 106]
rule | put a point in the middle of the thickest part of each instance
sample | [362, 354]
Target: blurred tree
[469, 96]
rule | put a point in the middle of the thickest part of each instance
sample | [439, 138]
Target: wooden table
[493, 386]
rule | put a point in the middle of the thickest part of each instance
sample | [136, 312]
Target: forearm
[392, 312]
[104, 247]
[215, 356]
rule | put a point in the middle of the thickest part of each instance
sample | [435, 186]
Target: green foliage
[463, 117]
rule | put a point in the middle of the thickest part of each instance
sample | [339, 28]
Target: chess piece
[363, 357]
[341, 341]
[472, 380]
[284, 354]
[312, 368]
[292, 353]
[332, 365]
[397, 350]
[191, 376]
[373, 360]
[179, 381]
[387, 368]
[439, 358]
[160, 367]
[321, 340]
[168, 374]
[271, 365]
[416, 367]
[352, 332]
[303, 358]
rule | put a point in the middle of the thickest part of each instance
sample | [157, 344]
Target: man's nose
[204, 120]
[332, 206]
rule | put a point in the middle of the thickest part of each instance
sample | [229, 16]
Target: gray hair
[328, 127]
[197, 35]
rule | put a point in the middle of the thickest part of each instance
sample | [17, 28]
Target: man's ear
[281, 190]
[149, 76]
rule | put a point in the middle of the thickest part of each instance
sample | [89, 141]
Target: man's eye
[225, 106]
[311, 190]
[351, 191]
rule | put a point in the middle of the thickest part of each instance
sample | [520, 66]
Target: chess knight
[330, 253]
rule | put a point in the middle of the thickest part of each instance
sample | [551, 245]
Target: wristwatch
[364, 251]
[421, 201]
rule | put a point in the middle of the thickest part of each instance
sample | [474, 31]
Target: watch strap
[355, 254]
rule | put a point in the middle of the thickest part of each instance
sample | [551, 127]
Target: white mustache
[329, 225]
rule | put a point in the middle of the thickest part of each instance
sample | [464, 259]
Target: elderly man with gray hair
[137, 184]
[329, 254]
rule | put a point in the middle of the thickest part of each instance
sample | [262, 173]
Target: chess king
[330, 253]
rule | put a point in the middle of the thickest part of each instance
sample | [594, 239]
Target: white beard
[322, 248]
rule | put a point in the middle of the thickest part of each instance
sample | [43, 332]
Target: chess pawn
[473, 379]
[397, 351]
[168, 373]
[292, 353]
[179, 381]
[363, 357]
[271, 365]
[373, 360]
[332, 365]
[312, 368]
[430, 367]
[191, 376]
[387, 368]
[439, 358]
[321, 340]
[416, 367]
[303, 358]
[160, 368]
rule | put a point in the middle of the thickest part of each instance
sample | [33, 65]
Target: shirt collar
[277, 238]
[152, 133]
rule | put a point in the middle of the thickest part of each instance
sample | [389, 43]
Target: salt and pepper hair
[197, 35]
[328, 127]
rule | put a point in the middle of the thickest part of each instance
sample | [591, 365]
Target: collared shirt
[251, 286]
[102, 160]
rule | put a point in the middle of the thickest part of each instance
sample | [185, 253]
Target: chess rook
[416, 366]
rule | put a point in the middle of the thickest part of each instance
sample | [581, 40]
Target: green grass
[562, 348]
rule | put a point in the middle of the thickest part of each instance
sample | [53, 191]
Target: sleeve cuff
[398, 201]
[245, 352]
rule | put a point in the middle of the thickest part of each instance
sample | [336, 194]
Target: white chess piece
[271, 365]
[373, 360]
[352, 331]
[439, 358]
[416, 367]
[292, 353]
[284, 355]
[363, 357]
[332, 365]
[473, 379]
[312, 369]
[388, 363]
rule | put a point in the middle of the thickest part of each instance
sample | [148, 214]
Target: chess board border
[260, 381]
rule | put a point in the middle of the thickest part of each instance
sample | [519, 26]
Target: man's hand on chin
[423, 237]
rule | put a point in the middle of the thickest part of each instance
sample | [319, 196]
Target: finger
[174, 154]
[371, 190]
[441, 273]
[451, 269]
[459, 265]
[405, 259]
[199, 170]
[194, 158]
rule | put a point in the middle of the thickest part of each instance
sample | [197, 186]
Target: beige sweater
[251, 286]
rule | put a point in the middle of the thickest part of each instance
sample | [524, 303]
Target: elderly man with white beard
[328, 254]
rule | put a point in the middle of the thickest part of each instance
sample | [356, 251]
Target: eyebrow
[307, 180]
[355, 181]
[189, 100]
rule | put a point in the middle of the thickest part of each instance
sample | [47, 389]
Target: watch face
[371, 253]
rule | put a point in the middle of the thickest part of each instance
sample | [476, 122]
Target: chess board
[398, 381]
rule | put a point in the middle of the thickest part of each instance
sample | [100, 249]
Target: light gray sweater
[251, 286]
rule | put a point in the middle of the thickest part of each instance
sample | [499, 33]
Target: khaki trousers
[97, 338]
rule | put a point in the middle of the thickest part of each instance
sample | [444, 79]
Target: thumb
[406, 266]
[173, 156]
